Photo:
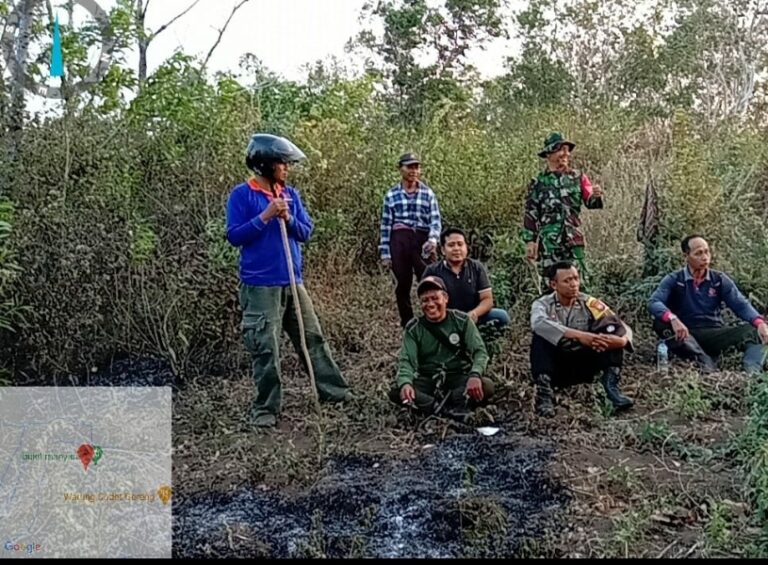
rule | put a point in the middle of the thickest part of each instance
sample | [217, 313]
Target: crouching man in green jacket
[442, 359]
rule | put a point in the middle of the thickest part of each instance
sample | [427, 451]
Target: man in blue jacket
[253, 212]
[686, 310]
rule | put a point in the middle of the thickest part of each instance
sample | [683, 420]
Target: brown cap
[430, 283]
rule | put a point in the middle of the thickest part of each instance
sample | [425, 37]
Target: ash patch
[134, 372]
[468, 496]
[125, 372]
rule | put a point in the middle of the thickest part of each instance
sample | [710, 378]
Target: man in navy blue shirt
[686, 309]
[468, 284]
[253, 226]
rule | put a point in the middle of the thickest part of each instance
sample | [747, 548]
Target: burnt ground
[128, 371]
[660, 480]
[467, 495]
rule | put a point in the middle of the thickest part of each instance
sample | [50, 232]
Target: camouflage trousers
[575, 255]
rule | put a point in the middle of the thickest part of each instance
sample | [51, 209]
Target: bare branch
[221, 32]
[164, 27]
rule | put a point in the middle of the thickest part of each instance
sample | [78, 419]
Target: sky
[286, 35]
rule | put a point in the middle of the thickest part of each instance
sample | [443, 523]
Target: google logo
[28, 548]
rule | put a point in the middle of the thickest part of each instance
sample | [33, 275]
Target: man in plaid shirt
[410, 230]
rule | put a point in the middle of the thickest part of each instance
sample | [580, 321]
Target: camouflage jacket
[552, 209]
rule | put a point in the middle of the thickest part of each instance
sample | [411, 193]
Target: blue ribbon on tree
[57, 59]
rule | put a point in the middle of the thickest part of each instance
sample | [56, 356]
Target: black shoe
[544, 406]
[706, 364]
[610, 381]
[265, 421]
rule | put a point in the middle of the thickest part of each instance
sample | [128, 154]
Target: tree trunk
[19, 65]
[146, 37]
[18, 68]
[143, 42]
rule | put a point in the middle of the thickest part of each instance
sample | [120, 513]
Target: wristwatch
[672, 317]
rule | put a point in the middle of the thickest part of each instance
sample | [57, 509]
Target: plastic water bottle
[662, 357]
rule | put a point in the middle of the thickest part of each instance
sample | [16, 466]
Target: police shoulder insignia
[454, 339]
[597, 308]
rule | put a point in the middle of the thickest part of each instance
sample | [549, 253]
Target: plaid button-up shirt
[418, 211]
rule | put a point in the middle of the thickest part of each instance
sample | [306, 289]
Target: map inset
[85, 472]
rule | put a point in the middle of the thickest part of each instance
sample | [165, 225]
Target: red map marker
[85, 453]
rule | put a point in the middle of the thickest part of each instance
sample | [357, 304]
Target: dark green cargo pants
[427, 393]
[716, 341]
[266, 312]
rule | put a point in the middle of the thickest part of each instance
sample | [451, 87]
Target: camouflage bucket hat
[553, 142]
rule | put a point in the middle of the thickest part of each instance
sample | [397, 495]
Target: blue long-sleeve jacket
[262, 257]
[699, 307]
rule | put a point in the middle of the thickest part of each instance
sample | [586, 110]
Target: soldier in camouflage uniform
[551, 226]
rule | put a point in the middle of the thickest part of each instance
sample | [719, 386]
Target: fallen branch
[693, 548]
[580, 491]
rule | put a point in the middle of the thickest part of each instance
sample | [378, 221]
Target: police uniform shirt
[550, 319]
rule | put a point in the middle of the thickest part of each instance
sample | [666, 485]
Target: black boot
[610, 382]
[544, 405]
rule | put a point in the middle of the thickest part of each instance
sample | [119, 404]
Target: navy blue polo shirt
[699, 306]
[463, 288]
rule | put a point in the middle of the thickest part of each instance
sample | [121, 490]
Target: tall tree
[422, 52]
[701, 55]
[21, 33]
[146, 37]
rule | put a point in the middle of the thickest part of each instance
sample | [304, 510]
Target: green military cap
[553, 142]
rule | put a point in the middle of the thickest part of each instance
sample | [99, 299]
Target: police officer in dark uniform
[574, 337]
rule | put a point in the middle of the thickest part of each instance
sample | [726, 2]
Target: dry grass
[658, 480]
